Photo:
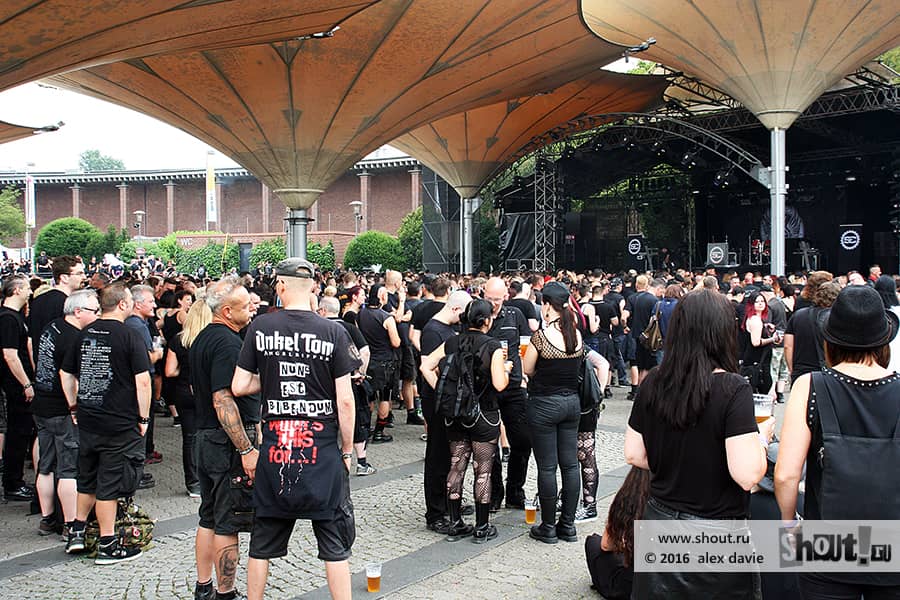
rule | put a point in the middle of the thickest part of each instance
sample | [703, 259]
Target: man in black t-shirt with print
[68, 276]
[226, 439]
[108, 380]
[56, 432]
[302, 365]
[380, 329]
[16, 376]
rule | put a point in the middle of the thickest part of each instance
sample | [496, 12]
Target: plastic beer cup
[373, 577]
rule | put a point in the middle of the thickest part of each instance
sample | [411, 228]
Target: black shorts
[334, 537]
[643, 358]
[58, 444]
[110, 465]
[407, 363]
[384, 376]
[485, 429]
[363, 420]
[225, 499]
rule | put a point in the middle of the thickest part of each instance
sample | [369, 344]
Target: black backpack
[455, 395]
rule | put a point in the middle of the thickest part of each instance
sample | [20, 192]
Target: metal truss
[547, 218]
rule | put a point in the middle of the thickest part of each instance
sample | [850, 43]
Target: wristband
[763, 441]
[144, 420]
[28, 385]
[346, 455]
[247, 451]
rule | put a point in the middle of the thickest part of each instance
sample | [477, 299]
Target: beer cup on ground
[373, 577]
[530, 512]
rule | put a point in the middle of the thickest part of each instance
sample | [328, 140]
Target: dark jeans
[819, 587]
[513, 409]
[554, 436]
[20, 434]
[619, 362]
[437, 461]
[185, 407]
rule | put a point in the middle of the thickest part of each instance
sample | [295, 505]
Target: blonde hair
[198, 317]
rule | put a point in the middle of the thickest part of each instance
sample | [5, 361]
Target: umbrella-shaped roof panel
[52, 36]
[775, 57]
[11, 133]
[467, 148]
[299, 113]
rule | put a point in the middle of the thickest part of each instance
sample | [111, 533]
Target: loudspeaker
[717, 254]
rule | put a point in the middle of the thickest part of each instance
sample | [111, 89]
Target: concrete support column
[265, 207]
[315, 217]
[778, 193]
[364, 189]
[219, 206]
[123, 206]
[76, 200]
[298, 221]
[170, 208]
[415, 182]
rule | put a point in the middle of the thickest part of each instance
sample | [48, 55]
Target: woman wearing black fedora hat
[841, 423]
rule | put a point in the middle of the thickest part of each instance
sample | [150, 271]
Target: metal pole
[297, 224]
[778, 192]
[468, 236]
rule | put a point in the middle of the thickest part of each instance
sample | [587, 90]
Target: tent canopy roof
[773, 56]
[10, 132]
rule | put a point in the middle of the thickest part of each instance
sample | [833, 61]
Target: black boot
[546, 531]
[458, 528]
[565, 527]
[484, 530]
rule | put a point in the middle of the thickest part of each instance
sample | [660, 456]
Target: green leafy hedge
[410, 237]
[212, 256]
[274, 251]
[374, 248]
[67, 236]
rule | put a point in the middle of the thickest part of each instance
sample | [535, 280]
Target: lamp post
[30, 221]
[357, 215]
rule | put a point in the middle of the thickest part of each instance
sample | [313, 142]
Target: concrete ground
[390, 529]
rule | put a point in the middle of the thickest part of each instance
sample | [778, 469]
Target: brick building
[173, 200]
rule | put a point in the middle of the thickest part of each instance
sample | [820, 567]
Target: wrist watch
[144, 420]
[346, 455]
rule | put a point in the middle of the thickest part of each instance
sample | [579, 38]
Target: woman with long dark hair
[476, 440]
[693, 426]
[840, 423]
[552, 362]
[610, 557]
[887, 289]
[757, 337]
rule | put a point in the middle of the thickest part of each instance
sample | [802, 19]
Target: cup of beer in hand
[763, 407]
[373, 577]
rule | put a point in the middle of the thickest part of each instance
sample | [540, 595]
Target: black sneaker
[414, 418]
[176, 421]
[115, 553]
[204, 592]
[586, 513]
[49, 526]
[22, 494]
[484, 533]
[390, 419]
[543, 533]
[381, 437]
[146, 482]
[75, 543]
[630, 396]
[607, 393]
[441, 526]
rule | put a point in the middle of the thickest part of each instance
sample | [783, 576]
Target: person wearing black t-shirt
[68, 277]
[620, 340]
[56, 432]
[693, 426]
[437, 449]
[16, 376]
[436, 292]
[302, 365]
[639, 308]
[520, 293]
[380, 330]
[227, 435]
[108, 380]
[401, 309]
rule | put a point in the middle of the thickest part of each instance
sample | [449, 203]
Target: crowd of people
[279, 377]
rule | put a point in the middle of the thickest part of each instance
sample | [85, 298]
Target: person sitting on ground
[610, 557]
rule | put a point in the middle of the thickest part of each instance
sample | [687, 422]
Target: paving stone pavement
[390, 529]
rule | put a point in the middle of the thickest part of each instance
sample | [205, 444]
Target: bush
[110, 242]
[274, 251]
[68, 236]
[321, 255]
[374, 248]
[211, 256]
[410, 236]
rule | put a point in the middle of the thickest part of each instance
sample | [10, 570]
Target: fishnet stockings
[483, 457]
[588, 461]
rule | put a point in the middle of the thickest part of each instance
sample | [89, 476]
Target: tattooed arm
[230, 419]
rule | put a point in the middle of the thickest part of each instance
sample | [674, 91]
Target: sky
[139, 141]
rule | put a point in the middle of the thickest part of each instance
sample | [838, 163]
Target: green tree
[321, 255]
[12, 219]
[272, 251]
[92, 160]
[68, 235]
[410, 237]
[892, 59]
[489, 238]
[212, 256]
[110, 242]
[374, 248]
[643, 67]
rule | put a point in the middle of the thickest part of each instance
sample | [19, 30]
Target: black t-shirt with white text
[108, 358]
[689, 468]
[41, 311]
[58, 339]
[212, 357]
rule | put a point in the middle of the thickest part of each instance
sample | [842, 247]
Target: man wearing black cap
[302, 365]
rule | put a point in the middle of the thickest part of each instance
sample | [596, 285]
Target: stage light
[658, 148]
[689, 159]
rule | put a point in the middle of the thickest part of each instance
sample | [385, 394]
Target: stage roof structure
[467, 148]
[10, 132]
[38, 39]
[299, 113]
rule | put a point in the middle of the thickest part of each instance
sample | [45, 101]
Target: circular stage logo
[850, 240]
[716, 255]
[634, 246]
